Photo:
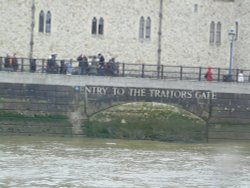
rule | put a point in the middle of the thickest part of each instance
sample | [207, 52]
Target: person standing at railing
[10, 62]
[209, 75]
[14, 63]
[85, 64]
[80, 64]
[6, 61]
[101, 60]
[48, 64]
[241, 76]
[62, 67]
[32, 65]
[52, 66]
[69, 67]
[101, 64]
[111, 66]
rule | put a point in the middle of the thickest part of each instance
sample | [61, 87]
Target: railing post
[199, 74]
[123, 69]
[237, 74]
[158, 71]
[1, 63]
[218, 76]
[142, 70]
[22, 60]
[181, 72]
[162, 71]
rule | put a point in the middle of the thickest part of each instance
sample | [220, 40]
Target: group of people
[209, 76]
[83, 64]
[52, 66]
[97, 66]
[109, 68]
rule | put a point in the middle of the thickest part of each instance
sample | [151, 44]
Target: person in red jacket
[208, 75]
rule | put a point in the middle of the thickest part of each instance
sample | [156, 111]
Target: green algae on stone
[147, 121]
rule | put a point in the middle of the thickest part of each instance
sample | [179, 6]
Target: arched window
[41, 22]
[94, 26]
[101, 26]
[148, 28]
[218, 33]
[141, 28]
[212, 30]
[48, 22]
[236, 30]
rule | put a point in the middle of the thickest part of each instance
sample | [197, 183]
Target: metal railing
[122, 70]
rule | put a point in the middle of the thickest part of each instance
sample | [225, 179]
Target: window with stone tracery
[94, 26]
[48, 22]
[101, 26]
[212, 33]
[148, 28]
[97, 27]
[141, 28]
[144, 28]
[236, 30]
[41, 22]
[215, 33]
[218, 33]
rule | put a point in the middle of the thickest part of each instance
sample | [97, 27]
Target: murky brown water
[77, 162]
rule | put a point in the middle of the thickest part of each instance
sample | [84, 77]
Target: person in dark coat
[15, 63]
[101, 64]
[62, 67]
[80, 64]
[85, 65]
[32, 65]
[6, 61]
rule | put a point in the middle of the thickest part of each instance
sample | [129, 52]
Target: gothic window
[236, 30]
[212, 30]
[101, 26]
[218, 33]
[148, 28]
[141, 28]
[48, 22]
[41, 22]
[94, 26]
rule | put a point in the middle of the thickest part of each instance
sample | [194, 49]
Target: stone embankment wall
[230, 117]
[52, 102]
[60, 110]
[38, 109]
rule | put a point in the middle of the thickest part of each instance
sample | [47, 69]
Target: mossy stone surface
[151, 121]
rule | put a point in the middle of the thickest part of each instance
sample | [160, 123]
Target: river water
[103, 163]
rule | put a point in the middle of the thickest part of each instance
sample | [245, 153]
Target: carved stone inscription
[149, 92]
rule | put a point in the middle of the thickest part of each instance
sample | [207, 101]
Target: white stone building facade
[175, 32]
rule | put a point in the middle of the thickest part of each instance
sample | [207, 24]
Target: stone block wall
[230, 117]
[37, 109]
[231, 107]
[185, 30]
[33, 98]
